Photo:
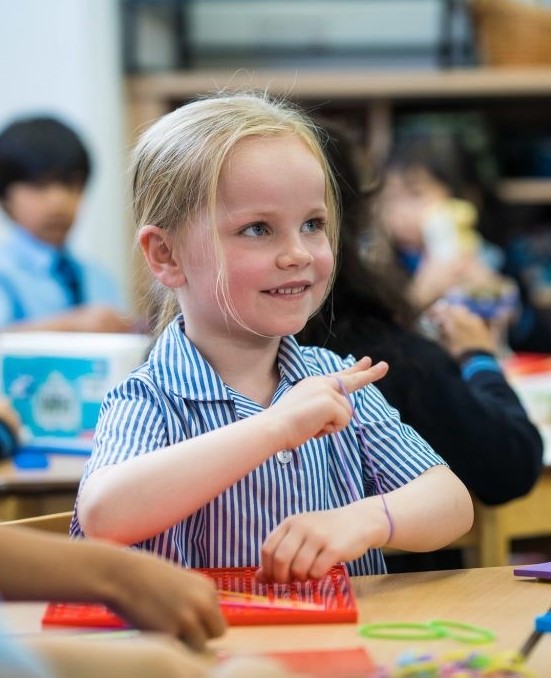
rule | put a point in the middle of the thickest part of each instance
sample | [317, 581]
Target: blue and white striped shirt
[176, 395]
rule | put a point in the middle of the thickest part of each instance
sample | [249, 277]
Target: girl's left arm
[427, 513]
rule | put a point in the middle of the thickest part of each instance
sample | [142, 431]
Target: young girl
[232, 445]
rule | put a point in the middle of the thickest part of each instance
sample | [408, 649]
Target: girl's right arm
[176, 481]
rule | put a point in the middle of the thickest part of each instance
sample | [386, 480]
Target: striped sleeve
[399, 454]
[395, 448]
[131, 422]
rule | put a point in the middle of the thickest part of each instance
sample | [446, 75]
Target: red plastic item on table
[333, 592]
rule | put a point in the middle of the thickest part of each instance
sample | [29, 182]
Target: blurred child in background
[44, 170]
[451, 390]
[433, 209]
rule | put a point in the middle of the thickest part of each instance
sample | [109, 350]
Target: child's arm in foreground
[149, 592]
[144, 657]
[427, 513]
[176, 481]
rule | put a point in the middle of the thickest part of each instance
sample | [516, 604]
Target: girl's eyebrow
[264, 213]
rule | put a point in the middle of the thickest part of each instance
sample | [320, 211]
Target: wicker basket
[512, 32]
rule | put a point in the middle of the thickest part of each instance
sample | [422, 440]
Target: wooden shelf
[373, 96]
[352, 85]
[150, 96]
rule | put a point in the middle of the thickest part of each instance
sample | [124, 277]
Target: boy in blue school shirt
[44, 169]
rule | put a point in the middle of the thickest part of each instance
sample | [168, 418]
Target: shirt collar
[36, 254]
[181, 369]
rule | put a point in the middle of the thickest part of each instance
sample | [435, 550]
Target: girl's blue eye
[255, 230]
[313, 225]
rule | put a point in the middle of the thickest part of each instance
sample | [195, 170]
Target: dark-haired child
[443, 225]
[44, 170]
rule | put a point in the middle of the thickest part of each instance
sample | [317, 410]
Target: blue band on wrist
[481, 363]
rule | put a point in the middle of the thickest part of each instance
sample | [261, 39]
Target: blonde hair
[177, 163]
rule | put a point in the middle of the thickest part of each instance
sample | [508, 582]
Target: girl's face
[270, 220]
[407, 197]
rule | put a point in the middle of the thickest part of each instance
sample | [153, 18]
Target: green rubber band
[464, 633]
[402, 631]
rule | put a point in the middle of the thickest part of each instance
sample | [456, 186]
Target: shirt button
[285, 456]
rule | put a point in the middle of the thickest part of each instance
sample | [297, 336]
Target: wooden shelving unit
[357, 86]
[372, 98]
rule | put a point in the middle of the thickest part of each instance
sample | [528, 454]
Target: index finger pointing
[353, 381]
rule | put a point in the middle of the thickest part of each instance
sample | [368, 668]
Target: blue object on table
[487, 307]
[30, 460]
[543, 623]
[72, 446]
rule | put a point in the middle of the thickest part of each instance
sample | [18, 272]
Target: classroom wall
[63, 57]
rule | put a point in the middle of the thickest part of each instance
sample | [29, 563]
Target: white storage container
[57, 380]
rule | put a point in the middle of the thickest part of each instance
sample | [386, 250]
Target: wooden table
[29, 492]
[488, 597]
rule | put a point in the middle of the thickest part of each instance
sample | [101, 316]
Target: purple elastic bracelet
[369, 458]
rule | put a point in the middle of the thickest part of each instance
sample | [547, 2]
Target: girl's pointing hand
[316, 406]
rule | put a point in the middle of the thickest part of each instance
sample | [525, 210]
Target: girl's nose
[295, 255]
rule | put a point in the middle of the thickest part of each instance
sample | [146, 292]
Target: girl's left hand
[307, 545]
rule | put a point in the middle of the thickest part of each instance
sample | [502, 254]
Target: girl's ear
[156, 246]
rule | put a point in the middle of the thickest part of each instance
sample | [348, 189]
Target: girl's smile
[290, 290]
